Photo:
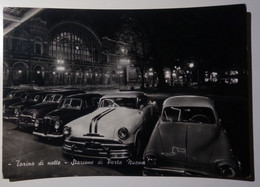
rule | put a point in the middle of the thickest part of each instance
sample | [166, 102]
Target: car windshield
[188, 114]
[36, 98]
[119, 102]
[15, 95]
[72, 103]
[53, 98]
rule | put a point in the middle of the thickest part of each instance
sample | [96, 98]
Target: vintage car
[14, 97]
[16, 108]
[7, 90]
[188, 139]
[50, 102]
[72, 107]
[118, 129]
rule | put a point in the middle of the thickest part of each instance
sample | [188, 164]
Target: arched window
[74, 42]
[38, 46]
[21, 43]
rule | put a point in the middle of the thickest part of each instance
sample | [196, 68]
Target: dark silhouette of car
[14, 97]
[72, 107]
[16, 108]
[118, 129]
[188, 139]
[7, 91]
[51, 101]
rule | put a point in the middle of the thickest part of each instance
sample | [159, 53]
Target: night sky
[215, 36]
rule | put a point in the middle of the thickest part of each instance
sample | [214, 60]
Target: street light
[60, 68]
[191, 65]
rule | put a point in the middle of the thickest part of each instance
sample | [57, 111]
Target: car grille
[47, 126]
[25, 119]
[97, 148]
[100, 141]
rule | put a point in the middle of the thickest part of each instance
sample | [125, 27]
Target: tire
[227, 171]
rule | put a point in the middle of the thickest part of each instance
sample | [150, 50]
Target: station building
[68, 53]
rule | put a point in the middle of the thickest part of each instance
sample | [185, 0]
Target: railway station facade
[69, 53]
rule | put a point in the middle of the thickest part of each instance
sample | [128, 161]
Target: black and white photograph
[130, 92]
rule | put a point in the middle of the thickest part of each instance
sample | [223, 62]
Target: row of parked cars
[185, 138]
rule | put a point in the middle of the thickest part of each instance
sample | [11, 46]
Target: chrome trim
[24, 123]
[23, 115]
[47, 135]
[165, 170]
[101, 144]
[12, 117]
[185, 171]
[97, 157]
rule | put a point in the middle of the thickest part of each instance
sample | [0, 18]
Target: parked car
[188, 139]
[72, 107]
[16, 108]
[7, 90]
[118, 129]
[13, 97]
[50, 102]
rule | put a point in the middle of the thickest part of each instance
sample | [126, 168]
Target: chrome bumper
[48, 135]
[26, 120]
[95, 149]
[10, 117]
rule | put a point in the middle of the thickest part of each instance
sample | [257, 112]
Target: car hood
[8, 102]
[41, 108]
[42, 105]
[184, 142]
[105, 122]
[23, 104]
[63, 112]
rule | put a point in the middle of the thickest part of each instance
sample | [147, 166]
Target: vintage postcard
[154, 92]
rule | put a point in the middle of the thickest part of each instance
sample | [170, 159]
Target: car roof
[23, 90]
[125, 94]
[189, 101]
[83, 95]
[64, 92]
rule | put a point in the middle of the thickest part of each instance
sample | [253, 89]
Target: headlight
[36, 124]
[34, 115]
[16, 112]
[151, 161]
[67, 131]
[57, 125]
[123, 133]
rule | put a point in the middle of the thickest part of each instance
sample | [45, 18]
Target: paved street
[23, 152]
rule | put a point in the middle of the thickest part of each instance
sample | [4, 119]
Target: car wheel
[227, 171]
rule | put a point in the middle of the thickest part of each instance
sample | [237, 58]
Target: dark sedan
[72, 107]
[14, 97]
[16, 108]
[50, 102]
[189, 140]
